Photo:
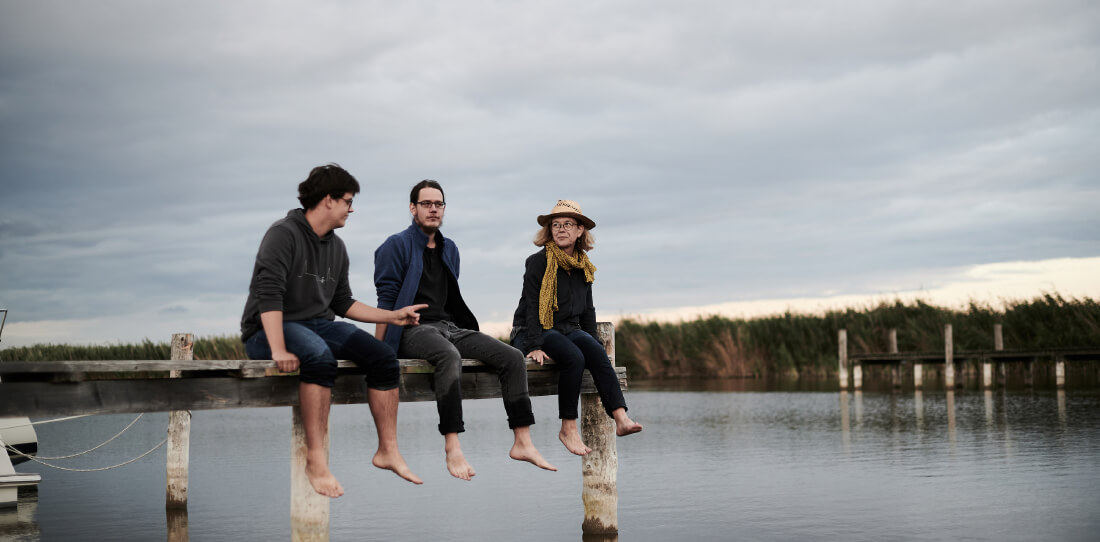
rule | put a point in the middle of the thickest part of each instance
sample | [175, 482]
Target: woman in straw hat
[557, 320]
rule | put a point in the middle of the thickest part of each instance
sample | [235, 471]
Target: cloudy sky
[735, 155]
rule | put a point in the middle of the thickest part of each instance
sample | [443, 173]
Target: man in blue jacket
[299, 285]
[419, 266]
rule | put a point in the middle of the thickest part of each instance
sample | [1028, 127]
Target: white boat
[17, 433]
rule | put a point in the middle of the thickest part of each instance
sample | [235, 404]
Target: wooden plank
[208, 393]
[13, 368]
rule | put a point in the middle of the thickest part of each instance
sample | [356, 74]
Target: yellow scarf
[548, 295]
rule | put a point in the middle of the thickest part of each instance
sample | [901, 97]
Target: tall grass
[723, 347]
[224, 347]
[807, 344]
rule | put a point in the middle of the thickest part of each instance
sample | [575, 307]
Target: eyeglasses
[347, 201]
[567, 226]
[428, 204]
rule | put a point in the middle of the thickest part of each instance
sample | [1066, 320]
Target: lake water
[718, 460]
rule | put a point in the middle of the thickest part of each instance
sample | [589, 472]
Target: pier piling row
[992, 362]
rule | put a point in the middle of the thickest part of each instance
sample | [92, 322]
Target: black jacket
[575, 309]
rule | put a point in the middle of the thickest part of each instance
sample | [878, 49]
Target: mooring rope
[40, 461]
[106, 442]
[32, 458]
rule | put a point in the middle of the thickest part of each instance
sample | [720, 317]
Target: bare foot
[321, 478]
[394, 462]
[531, 455]
[627, 427]
[457, 465]
[623, 424]
[572, 441]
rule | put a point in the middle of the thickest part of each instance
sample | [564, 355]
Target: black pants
[574, 352]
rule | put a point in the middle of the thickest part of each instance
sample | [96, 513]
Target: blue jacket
[398, 264]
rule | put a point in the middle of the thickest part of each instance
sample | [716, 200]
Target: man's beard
[427, 229]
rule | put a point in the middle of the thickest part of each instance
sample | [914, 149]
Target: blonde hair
[585, 242]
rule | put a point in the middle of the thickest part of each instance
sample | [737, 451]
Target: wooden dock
[992, 362]
[182, 384]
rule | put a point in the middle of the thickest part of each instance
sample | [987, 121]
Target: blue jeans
[444, 345]
[574, 352]
[319, 343]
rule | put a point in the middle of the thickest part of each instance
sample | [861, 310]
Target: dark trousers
[444, 345]
[319, 343]
[574, 352]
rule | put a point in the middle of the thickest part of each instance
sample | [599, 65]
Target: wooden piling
[600, 467]
[948, 358]
[895, 371]
[998, 345]
[842, 356]
[179, 432]
[309, 510]
[1060, 372]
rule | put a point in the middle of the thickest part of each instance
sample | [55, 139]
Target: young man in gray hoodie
[299, 285]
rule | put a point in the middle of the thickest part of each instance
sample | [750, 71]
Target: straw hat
[570, 208]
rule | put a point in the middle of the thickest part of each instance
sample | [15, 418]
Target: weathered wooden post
[179, 431]
[895, 373]
[998, 345]
[309, 510]
[1060, 371]
[842, 355]
[948, 358]
[600, 467]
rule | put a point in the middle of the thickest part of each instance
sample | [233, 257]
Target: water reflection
[951, 419]
[845, 424]
[1062, 408]
[177, 525]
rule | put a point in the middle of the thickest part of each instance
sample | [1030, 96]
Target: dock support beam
[600, 467]
[948, 358]
[179, 432]
[1060, 372]
[895, 371]
[842, 355]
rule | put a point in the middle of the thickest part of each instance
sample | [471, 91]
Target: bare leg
[383, 408]
[623, 424]
[571, 437]
[456, 460]
[315, 401]
[524, 450]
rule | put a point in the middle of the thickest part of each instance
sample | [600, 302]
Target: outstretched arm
[405, 316]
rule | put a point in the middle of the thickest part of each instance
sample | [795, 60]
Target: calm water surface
[718, 460]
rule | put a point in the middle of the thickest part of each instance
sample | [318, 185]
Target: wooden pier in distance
[992, 362]
[179, 385]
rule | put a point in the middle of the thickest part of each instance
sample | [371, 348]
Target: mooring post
[842, 356]
[896, 372]
[1060, 371]
[600, 466]
[948, 358]
[998, 345]
[309, 510]
[179, 431]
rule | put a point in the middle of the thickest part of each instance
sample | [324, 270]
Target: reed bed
[807, 344]
[721, 347]
[220, 347]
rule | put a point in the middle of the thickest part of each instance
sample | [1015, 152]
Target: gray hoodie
[298, 273]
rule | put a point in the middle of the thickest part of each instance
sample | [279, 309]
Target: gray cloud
[727, 151]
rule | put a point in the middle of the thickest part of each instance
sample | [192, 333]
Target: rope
[39, 460]
[89, 470]
[106, 442]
